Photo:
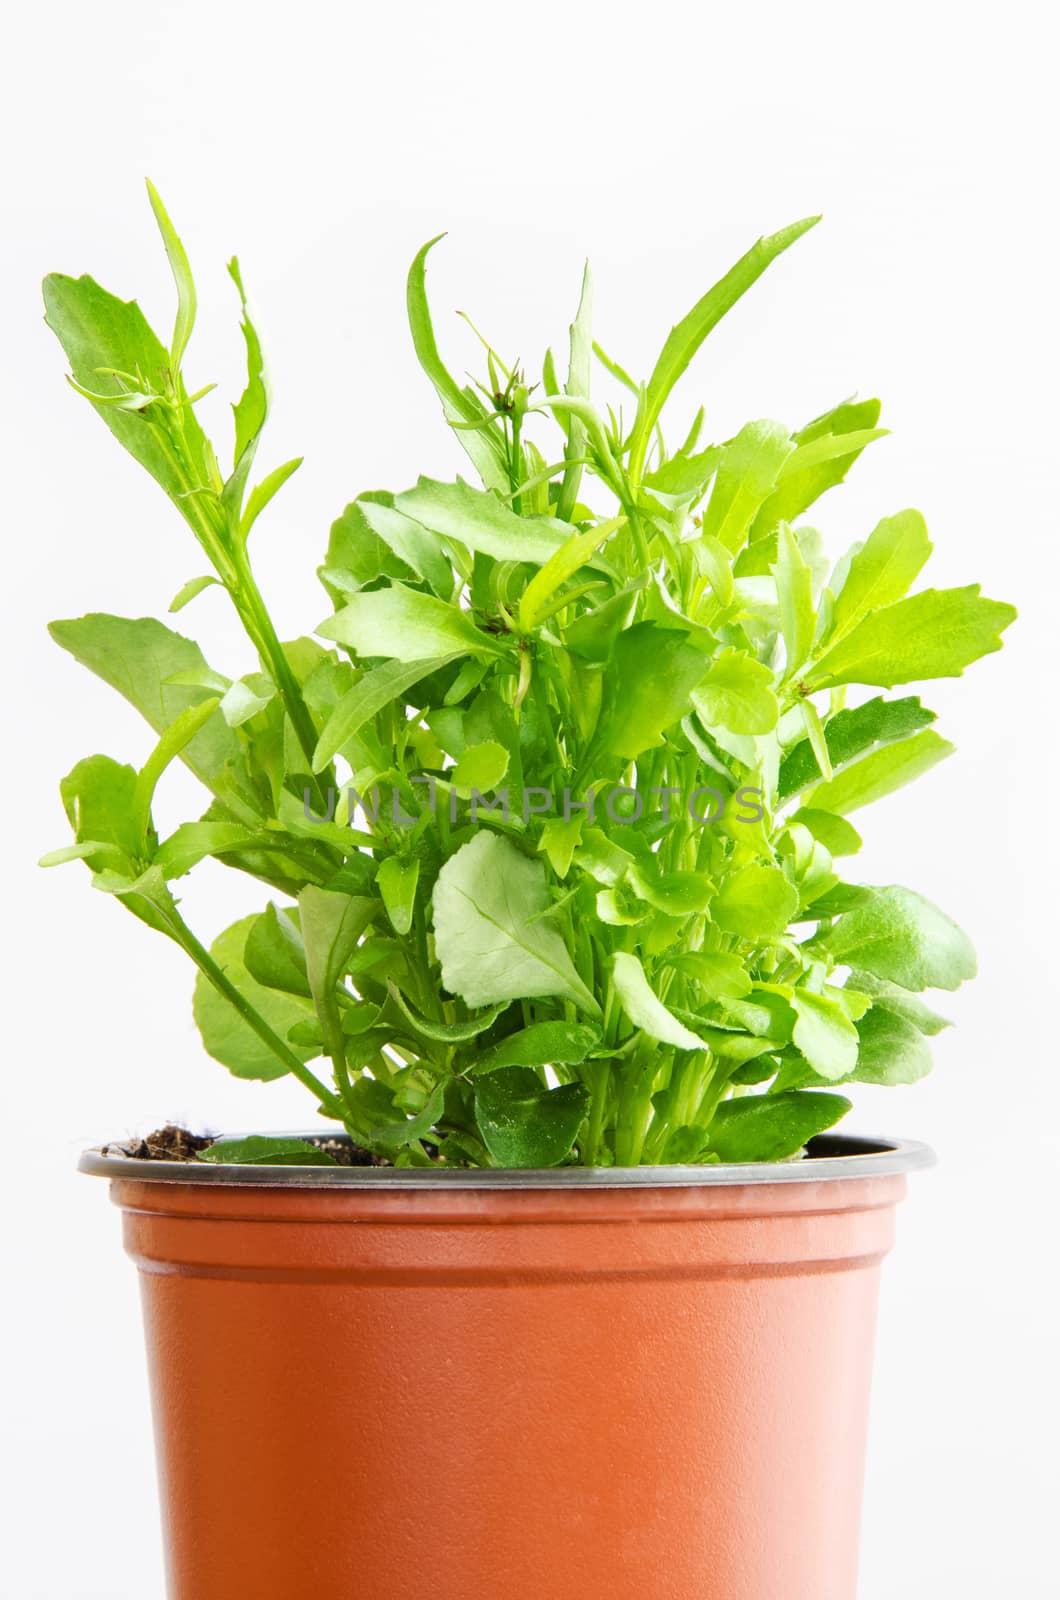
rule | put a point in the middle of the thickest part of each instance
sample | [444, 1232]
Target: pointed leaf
[492, 942]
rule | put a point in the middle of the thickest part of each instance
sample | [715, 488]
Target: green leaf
[771, 1127]
[578, 382]
[103, 336]
[933, 634]
[644, 1008]
[265, 491]
[891, 1049]
[522, 1123]
[883, 570]
[482, 522]
[737, 693]
[480, 767]
[410, 1130]
[139, 657]
[824, 1034]
[542, 1044]
[688, 335]
[397, 880]
[181, 270]
[406, 625]
[419, 549]
[483, 442]
[685, 475]
[445, 1032]
[839, 837]
[189, 590]
[892, 997]
[99, 798]
[880, 773]
[252, 408]
[655, 670]
[245, 698]
[274, 953]
[798, 619]
[755, 902]
[800, 483]
[568, 559]
[367, 697]
[715, 563]
[225, 1034]
[592, 636]
[898, 935]
[193, 842]
[491, 939]
[331, 924]
[257, 1150]
[848, 734]
[559, 840]
[720, 976]
[749, 467]
[826, 448]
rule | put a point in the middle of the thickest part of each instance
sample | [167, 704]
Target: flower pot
[641, 1384]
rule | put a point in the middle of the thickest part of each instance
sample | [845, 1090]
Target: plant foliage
[552, 806]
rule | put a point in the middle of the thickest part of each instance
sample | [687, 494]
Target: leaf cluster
[553, 802]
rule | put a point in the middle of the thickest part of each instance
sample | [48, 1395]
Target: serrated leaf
[933, 634]
[899, 935]
[412, 543]
[140, 658]
[480, 767]
[756, 902]
[482, 522]
[492, 940]
[366, 698]
[883, 570]
[748, 470]
[103, 336]
[406, 625]
[737, 693]
[799, 485]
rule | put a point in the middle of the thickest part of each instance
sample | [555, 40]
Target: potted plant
[572, 1291]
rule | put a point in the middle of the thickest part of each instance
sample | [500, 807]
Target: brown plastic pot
[643, 1384]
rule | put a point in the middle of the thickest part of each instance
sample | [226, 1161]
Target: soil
[177, 1144]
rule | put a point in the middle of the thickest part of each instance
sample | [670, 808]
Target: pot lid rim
[833, 1158]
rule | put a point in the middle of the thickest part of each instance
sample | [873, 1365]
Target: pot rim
[831, 1158]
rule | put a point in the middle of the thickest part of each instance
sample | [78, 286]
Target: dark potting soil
[177, 1144]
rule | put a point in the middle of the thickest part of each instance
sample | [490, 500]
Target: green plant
[605, 626]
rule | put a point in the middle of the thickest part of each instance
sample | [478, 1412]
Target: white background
[325, 144]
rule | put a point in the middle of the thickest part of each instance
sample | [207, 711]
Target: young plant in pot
[571, 1293]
